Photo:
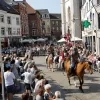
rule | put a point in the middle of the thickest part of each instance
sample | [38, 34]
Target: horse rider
[51, 50]
[74, 59]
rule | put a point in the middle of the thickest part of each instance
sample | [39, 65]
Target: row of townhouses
[74, 13]
[91, 11]
[19, 20]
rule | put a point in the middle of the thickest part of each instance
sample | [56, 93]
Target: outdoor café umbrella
[62, 40]
[76, 39]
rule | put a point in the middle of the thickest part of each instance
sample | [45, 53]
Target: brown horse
[80, 71]
[50, 62]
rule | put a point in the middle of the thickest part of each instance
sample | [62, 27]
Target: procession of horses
[62, 61]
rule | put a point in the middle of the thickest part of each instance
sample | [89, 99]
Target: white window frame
[2, 18]
[17, 21]
[57, 22]
[9, 31]
[9, 20]
[2, 30]
[18, 31]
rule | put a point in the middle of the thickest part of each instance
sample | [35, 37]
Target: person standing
[27, 80]
[9, 81]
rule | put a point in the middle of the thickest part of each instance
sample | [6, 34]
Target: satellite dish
[8, 1]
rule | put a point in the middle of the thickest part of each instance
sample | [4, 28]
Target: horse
[79, 72]
[50, 62]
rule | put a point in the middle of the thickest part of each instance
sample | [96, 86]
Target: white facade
[70, 12]
[9, 25]
[91, 34]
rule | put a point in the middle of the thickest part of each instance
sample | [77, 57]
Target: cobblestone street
[59, 82]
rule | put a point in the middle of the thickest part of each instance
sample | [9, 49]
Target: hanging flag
[86, 24]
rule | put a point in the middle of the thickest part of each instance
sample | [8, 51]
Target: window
[91, 16]
[18, 31]
[98, 1]
[99, 21]
[43, 16]
[9, 31]
[2, 31]
[33, 32]
[57, 22]
[53, 22]
[47, 16]
[2, 18]
[33, 24]
[53, 28]
[57, 29]
[9, 20]
[17, 21]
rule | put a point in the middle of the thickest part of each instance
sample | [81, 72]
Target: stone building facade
[71, 19]
[56, 30]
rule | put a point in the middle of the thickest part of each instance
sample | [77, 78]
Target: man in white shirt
[27, 80]
[9, 81]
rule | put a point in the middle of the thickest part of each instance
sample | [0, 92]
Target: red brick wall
[37, 24]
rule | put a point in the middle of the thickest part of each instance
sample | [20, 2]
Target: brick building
[55, 20]
[21, 8]
[34, 21]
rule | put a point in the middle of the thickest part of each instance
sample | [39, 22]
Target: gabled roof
[6, 7]
[29, 9]
[43, 11]
[55, 16]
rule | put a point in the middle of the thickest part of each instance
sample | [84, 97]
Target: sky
[52, 5]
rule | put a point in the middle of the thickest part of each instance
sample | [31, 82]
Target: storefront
[90, 39]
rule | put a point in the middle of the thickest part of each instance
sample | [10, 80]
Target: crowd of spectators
[36, 86]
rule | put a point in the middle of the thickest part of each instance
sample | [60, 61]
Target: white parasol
[62, 40]
[76, 39]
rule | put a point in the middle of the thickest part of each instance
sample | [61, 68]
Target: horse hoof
[81, 89]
